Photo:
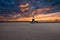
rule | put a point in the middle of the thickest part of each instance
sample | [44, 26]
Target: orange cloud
[41, 17]
[39, 11]
[24, 7]
[48, 17]
[2, 18]
[38, 15]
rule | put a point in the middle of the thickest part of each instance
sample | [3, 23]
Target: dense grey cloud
[10, 6]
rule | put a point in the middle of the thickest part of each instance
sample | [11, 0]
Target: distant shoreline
[26, 21]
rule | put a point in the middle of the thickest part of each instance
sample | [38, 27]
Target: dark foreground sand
[27, 31]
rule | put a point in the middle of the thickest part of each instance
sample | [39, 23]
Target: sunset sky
[23, 10]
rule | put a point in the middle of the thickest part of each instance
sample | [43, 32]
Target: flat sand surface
[28, 31]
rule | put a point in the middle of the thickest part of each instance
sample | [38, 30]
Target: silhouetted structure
[33, 20]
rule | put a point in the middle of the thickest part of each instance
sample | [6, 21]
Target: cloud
[40, 17]
[2, 18]
[42, 9]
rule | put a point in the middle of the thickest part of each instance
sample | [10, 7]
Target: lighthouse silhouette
[33, 19]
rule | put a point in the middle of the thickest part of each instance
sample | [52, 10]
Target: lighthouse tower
[33, 19]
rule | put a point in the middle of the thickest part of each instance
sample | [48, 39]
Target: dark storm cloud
[10, 6]
[55, 4]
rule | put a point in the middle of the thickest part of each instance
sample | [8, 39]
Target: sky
[18, 10]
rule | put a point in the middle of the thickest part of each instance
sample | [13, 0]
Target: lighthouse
[33, 20]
